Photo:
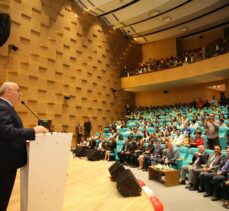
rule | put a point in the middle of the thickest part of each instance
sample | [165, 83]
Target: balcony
[208, 70]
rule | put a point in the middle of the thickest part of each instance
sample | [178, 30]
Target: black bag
[80, 152]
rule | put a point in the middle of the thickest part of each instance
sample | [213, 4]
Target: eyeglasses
[17, 90]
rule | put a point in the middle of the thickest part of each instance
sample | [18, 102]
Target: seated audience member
[168, 136]
[200, 103]
[180, 124]
[185, 129]
[171, 155]
[221, 123]
[111, 146]
[185, 120]
[214, 162]
[213, 180]
[186, 140]
[178, 138]
[91, 143]
[138, 151]
[112, 134]
[194, 124]
[155, 157]
[199, 158]
[132, 146]
[122, 153]
[118, 136]
[198, 140]
[213, 101]
[206, 103]
[102, 147]
[149, 150]
[161, 137]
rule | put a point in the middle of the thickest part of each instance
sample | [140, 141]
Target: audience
[214, 162]
[153, 135]
[199, 158]
[213, 49]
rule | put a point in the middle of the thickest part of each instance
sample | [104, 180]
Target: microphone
[43, 123]
[22, 102]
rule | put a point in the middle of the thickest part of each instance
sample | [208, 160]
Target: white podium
[43, 178]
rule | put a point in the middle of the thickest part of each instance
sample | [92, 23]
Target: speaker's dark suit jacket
[12, 138]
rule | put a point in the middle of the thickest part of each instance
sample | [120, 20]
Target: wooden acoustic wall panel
[63, 55]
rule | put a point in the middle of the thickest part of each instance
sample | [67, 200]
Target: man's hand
[40, 129]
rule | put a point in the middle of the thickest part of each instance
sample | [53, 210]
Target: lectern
[43, 178]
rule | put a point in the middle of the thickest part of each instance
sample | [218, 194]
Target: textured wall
[159, 49]
[63, 55]
[177, 95]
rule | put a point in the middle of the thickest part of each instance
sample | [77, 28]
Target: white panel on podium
[43, 178]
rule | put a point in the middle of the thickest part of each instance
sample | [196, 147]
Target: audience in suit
[214, 162]
[199, 158]
[213, 180]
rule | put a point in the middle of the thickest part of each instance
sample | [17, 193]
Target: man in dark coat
[87, 128]
[13, 136]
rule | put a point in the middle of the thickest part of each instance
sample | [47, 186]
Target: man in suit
[212, 180]
[199, 158]
[13, 136]
[87, 128]
[214, 162]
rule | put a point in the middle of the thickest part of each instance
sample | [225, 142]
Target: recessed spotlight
[166, 19]
[76, 15]
[153, 13]
[184, 29]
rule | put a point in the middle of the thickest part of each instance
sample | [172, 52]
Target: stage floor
[89, 188]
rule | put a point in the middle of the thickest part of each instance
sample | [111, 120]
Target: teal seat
[205, 140]
[106, 130]
[119, 146]
[223, 131]
[190, 155]
[123, 130]
[146, 144]
[150, 130]
[223, 137]
[183, 153]
[209, 151]
[97, 142]
[193, 130]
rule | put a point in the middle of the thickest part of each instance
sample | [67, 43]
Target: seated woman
[149, 150]
[138, 151]
[186, 140]
[198, 140]
[110, 148]
[102, 147]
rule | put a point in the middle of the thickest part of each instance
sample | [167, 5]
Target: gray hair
[6, 85]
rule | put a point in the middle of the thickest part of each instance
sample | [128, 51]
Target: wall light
[166, 19]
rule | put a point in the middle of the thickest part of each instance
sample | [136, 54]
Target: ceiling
[152, 20]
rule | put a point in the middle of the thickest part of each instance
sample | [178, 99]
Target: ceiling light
[166, 19]
[76, 15]
[184, 29]
[153, 13]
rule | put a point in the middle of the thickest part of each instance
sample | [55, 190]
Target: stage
[89, 188]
